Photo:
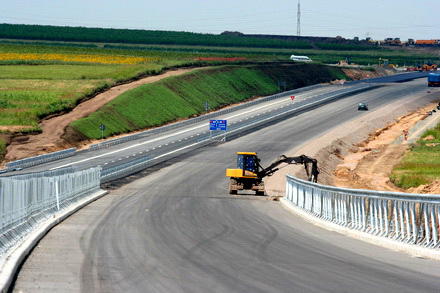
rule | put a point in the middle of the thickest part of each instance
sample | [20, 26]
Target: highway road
[175, 229]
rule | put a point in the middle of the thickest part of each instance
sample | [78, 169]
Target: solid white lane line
[167, 136]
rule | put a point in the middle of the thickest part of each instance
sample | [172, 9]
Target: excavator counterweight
[249, 173]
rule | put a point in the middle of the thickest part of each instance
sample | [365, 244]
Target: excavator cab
[247, 162]
[247, 166]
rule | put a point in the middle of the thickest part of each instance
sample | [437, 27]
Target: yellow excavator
[249, 173]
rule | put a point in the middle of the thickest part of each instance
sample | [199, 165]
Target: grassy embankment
[185, 96]
[2, 148]
[421, 165]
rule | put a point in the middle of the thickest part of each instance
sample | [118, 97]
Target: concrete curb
[11, 262]
[413, 250]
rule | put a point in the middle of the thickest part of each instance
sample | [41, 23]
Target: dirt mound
[357, 74]
[432, 188]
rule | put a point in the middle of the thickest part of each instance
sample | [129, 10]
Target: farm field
[29, 93]
[421, 165]
[37, 81]
[191, 52]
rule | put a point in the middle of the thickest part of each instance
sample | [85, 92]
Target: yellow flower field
[83, 58]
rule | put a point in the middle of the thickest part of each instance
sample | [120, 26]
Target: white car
[300, 58]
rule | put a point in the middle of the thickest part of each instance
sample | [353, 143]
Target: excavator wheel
[231, 189]
[259, 193]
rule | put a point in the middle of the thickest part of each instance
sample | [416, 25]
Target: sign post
[102, 128]
[221, 125]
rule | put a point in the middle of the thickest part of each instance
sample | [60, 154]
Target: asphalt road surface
[175, 229]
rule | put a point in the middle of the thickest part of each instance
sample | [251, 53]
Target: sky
[378, 19]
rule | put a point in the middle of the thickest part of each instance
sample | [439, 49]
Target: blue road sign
[218, 125]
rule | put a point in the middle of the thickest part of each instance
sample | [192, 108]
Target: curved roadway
[176, 230]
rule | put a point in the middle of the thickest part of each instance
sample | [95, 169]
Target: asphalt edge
[412, 250]
[12, 262]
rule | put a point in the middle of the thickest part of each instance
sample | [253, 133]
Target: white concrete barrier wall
[407, 218]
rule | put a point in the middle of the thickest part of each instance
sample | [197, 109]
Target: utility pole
[298, 19]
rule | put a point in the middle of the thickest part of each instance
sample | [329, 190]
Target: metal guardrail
[195, 120]
[32, 161]
[159, 155]
[404, 217]
[394, 78]
[27, 200]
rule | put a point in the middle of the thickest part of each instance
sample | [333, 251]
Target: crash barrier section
[32, 161]
[175, 125]
[155, 156]
[408, 218]
[112, 142]
[28, 200]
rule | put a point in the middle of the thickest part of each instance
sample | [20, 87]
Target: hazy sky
[378, 19]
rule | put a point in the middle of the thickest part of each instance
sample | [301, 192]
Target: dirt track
[53, 128]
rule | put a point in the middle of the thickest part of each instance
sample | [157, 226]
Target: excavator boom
[249, 173]
[310, 165]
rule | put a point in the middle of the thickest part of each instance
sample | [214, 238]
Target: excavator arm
[310, 165]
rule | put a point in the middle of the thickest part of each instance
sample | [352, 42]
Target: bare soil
[362, 152]
[368, 165]
[53, 128]
[357, 74]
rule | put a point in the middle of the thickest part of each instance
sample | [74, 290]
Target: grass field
[29, 93]
[37, 81]
[185, 96]
[189, 53]
[421, 165]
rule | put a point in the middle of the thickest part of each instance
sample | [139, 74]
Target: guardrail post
[380, 215]
[427, 230]
[402, 222]
[57, 196]
[386, 219]
[407, 220]
[415, 231]
[434, 225]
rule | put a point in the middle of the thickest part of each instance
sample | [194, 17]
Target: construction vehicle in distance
[434, 79]
[429, 67]
[249, 173]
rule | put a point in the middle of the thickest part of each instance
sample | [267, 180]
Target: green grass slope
[421, 165]
[185, 96]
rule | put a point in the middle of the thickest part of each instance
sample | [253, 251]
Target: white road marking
[170, 135]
